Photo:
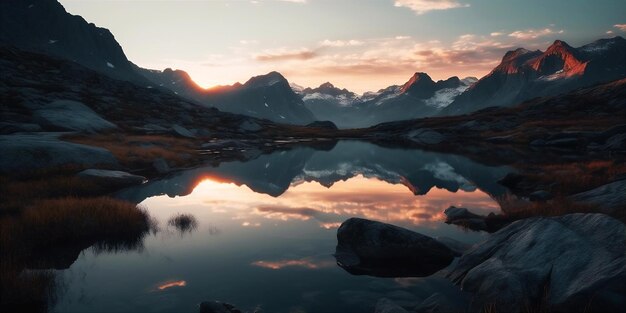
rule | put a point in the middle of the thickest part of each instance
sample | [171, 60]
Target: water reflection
[265, 231]
[275, 173]
[172, 284]
[310, 201]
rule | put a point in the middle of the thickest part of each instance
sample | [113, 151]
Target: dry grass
[139, 151]
[575, 177]
[184, 223]
[73, 221]
[18, 194]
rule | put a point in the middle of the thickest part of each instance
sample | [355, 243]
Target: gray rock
[113, 178]
[378, 249]
[154, 128]
[577, 260]
[538, 142]
[540, 195]
[426, 136]
[385, 305]
[21, 152]
[182, 131]
[217, 307]
[615, 143]
[71, 115]
[563, 142]
[463, 217]
[608, 198]
[453, 213]
[161, 166]
[250, 126]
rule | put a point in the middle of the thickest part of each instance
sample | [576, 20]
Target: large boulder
[575, 262]
[22, 152]
[70, 115]
[608, 198]
[378, 249]
[114, 179]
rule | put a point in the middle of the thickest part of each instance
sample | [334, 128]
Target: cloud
[284, 54]
[621, 27]
[248, 42]
[341, 43]
[534, 33]
[496, 34]
[423, 6]
[402, 37]
[294, 1]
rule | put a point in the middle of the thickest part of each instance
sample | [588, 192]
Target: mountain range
[43, 26]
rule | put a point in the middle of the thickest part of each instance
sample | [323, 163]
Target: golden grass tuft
[136, 151]
[70, 220]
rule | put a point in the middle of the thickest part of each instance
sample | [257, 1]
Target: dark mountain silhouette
[266, 96]
[525, 74]
[329, 89]
[44, 26]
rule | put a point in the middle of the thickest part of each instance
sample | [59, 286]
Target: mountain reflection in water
[266, 231]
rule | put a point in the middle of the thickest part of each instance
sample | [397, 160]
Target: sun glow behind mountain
[360, 45]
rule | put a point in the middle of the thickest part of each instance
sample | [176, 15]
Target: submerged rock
[378, 249]
[111, 178]
[574, 262]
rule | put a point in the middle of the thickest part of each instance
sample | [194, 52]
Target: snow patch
[444, 171]
[52, 41]
[109, 64]
[443, 97]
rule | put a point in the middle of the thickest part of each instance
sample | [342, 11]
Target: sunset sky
[361, 45]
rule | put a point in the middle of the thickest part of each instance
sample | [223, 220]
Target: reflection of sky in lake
[254, 249]
[328, 207]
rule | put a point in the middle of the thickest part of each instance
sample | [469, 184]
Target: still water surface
[266, 231]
